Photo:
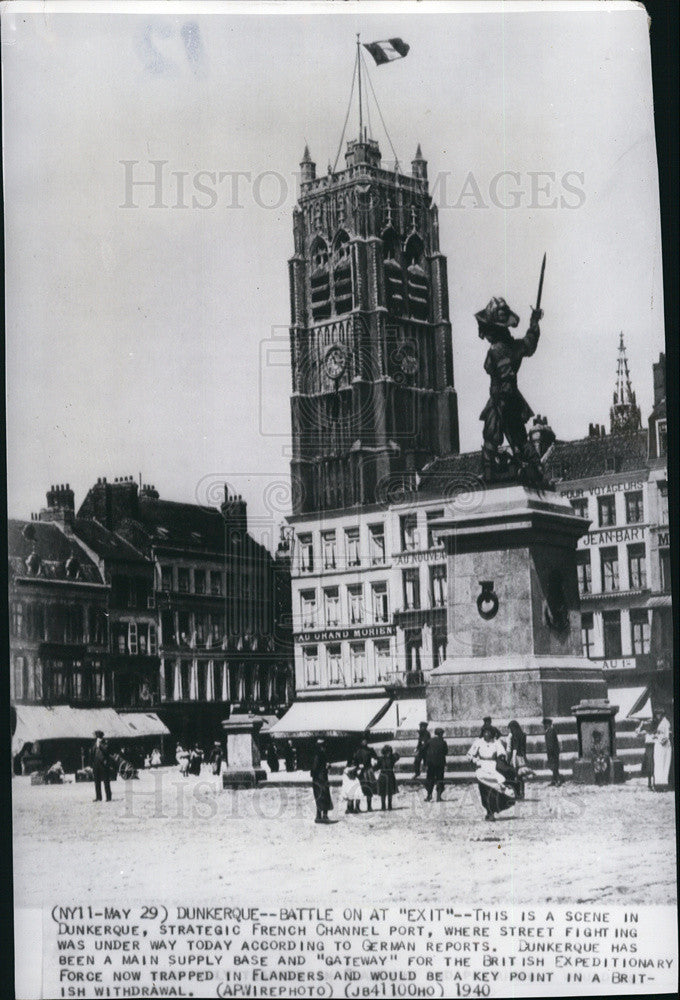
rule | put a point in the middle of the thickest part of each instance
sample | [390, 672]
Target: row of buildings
[151, 606]
[146, 605]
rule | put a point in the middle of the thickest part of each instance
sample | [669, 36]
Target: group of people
[366, 775]
[290, 759]
[153, 759]
[190, 761]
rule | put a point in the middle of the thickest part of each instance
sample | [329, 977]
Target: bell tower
[373, 397]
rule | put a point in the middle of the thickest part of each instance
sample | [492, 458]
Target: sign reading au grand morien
[338, 634]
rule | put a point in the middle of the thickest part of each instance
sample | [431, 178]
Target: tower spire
[625, 413]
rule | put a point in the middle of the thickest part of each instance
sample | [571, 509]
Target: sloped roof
[53, 549]
[105, 543]
[183, 525]
[597, 456]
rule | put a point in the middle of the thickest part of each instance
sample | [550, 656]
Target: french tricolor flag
[388, 50]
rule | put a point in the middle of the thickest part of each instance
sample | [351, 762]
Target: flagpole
[361, 110]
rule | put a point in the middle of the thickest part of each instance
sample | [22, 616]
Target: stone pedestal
[513, 617]
[243, 756]
[596, 717]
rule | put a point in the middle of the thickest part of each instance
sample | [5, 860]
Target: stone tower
[624, 414]
[372, 368]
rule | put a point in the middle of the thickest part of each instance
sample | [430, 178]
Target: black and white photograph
[341, 520]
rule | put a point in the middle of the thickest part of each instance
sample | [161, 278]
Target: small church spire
[625, 413]
[419, 165]
[307, 166]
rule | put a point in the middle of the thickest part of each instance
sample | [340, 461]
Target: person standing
[646, 729]
[489, 755]
[182, 758]
[663, 751]
[195, 760]
[435, 761]
[215, 758]
[350, 791]
[365, 758]
[290, 756]
[517, 750]
[552, 748]
[272, 756]
[387, 782]
[423, 739]
[101, 764]
[320, 783]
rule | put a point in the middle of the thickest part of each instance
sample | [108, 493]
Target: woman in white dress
[663, 750]
[496, 794]
[351, 791]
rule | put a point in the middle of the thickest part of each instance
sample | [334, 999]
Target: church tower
[624, 414]
[373, 397]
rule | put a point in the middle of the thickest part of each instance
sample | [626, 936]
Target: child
[350, 790]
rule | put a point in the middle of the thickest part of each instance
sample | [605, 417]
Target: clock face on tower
[335, 361]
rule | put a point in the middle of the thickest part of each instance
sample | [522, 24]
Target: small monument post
[243, 760]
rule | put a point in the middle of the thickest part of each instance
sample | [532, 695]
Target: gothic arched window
[394, 279]
[418, 289]
[342, 273]
[320, 280]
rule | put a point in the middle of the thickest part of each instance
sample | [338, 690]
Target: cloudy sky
[153, 338]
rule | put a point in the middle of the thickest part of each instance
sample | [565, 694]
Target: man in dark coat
[507, 412]
[101, 766]
[552, 749]
[320, 783]
[435, 760]
[423, 739]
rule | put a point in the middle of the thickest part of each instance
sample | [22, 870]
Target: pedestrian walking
[488, 753]
[387, 782]
[552, 748]
[101, 766]
[424, 738]
[215, 757]
[365, 758]
[517, 755]
[663, 751]
[350, 791]
[320, 783]
[435, 762]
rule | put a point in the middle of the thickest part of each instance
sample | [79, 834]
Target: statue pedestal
[593, 717]
[243, 756]
[513, 617]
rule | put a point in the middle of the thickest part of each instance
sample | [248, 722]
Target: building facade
[143, 604]
[372, 367]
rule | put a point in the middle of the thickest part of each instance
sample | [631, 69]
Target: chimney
[60, 506]
[111, 503]
[541, 435]
[235, 513]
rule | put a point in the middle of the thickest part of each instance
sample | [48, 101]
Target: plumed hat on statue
[497, 313]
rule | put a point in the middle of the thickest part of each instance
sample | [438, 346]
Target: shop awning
[633, 702]
[402, 714]
[337, 717]
[659, 601]
[144, 724]
[36, 723]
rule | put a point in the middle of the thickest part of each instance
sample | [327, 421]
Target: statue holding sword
[507, 412]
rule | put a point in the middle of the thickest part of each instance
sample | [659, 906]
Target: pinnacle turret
[624, 413]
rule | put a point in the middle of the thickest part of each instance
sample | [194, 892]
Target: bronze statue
[507, 412]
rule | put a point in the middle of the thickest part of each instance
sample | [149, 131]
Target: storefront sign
[338, 634]
[598, 491]
[625, 663]
[427, 556]
[610, 536]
